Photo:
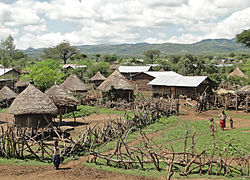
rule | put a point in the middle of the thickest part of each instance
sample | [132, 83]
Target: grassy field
[171, 133]
[88, 110]
[4, 110]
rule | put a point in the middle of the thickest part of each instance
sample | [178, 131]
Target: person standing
[212, 125]
[222, 117]
[56, 158]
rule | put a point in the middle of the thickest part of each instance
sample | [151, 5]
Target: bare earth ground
[75, 170]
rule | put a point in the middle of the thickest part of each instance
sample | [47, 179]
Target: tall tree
[45, 74]
[7, 49]
[244, 37]
[62, 51]
[152, 53]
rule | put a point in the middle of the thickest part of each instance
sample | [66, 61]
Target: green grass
[4, 110]
[25, 162]
[172, 133]
[237, 115]
[88, 110]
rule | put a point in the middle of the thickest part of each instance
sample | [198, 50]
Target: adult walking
[222, 117]
[56, 158]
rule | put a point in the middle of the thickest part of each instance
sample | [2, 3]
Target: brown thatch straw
[244, 90]
[223, 91]
[98, 77]
[21, 83]
[74, 84]
[7, 94]
[32, 101]
[237, 72]
[60, 97]
[117, 81]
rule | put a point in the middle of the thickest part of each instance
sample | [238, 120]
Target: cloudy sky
[46, 23]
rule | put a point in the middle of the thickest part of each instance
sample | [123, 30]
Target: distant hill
[208, 46]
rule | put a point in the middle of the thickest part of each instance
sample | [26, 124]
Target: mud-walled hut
[243, 98]
[7, 96]
[116, 87]
[21, 85]
[32, 108]
[97, 79]
[74, 84]
[64, 101]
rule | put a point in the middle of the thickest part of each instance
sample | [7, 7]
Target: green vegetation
[88, 110]
[244, 37]
[4, 110]
[204, 47]
[45, 74]
[171, 133]
[25, 162]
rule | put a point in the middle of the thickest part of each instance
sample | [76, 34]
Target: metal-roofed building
[129, 71]
[141, 80]
[189, 86]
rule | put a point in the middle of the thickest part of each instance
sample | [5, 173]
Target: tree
[44, 74]
[62, 51]
[152, 53]
[7, 49]
[110, 58]
[244, 37]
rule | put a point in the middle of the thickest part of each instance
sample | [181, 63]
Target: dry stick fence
[17, 143]
[184, 163]
[22, 142]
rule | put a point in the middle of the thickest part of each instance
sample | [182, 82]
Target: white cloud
[116, 21]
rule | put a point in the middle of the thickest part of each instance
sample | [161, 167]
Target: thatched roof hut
[7, 96]
[97, 79]
[117, 86]
[244, 90]
[74, 84]
[237, 72]
[32, 108]
[64, 101]
[21, 85]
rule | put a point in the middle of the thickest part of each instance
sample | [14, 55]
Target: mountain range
[204, 47]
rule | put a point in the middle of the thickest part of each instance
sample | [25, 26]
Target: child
[212, 125]
[56, 158]
[231, 123]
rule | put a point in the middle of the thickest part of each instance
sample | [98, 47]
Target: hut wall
[114, 95]
[6, 103]
[97, 83]
[6, 82]
[66, 109]
[35, 121]
[141, 81]
[13, 74]
[175, 92]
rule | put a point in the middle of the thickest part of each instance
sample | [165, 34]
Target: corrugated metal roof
[182, 81]
[133, 69]
[3, 71]
[162, 73]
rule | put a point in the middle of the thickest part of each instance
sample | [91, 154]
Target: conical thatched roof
[74, 84]
[244, 90]
[237, 72]
[21, 83]
[60, 97]
[6, 94]
[98, 77]
[32, 101]
[116, 80]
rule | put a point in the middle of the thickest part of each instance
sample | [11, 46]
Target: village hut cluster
[32, 104]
